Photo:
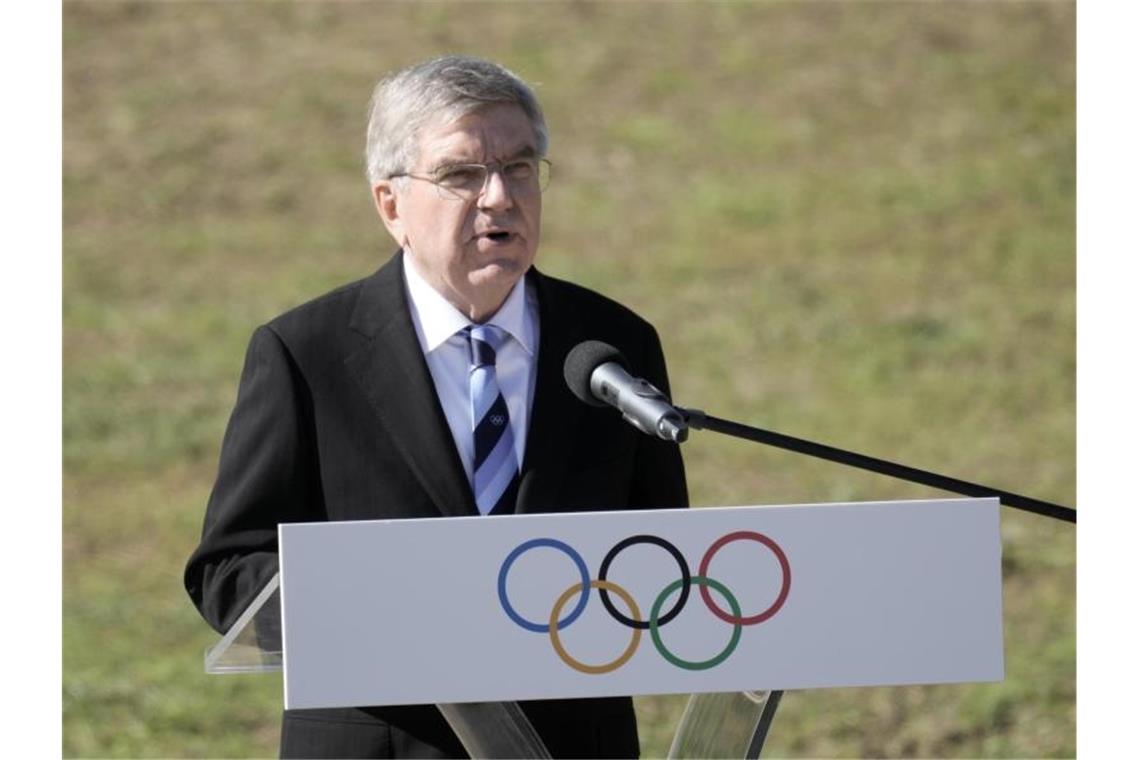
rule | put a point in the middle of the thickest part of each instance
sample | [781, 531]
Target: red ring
[784, 588]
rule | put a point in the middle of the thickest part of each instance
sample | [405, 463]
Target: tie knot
[485, 342]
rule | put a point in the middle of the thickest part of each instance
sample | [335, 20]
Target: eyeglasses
[463, 182]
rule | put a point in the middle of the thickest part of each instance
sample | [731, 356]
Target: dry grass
[850, 222]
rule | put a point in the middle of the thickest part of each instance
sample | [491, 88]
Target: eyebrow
[528, 151]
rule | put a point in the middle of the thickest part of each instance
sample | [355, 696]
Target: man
[434, 388]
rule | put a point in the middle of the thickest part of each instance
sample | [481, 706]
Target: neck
[477, 307]
[480, 313]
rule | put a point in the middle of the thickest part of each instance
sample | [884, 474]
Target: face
[471, 251]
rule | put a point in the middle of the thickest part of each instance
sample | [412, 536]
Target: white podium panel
[652, 602]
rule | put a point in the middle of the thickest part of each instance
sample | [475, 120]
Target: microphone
[598, 374]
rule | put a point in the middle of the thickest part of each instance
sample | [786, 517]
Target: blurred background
[850, 222]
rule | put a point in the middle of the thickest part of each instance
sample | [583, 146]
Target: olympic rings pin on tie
[656, 620]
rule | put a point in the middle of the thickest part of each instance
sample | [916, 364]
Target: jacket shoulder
[318, 314]
[593, 307]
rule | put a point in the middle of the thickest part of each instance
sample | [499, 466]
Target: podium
[614, 603]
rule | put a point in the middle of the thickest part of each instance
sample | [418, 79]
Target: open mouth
[498, 237]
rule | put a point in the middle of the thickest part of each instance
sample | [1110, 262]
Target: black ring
[685, 584]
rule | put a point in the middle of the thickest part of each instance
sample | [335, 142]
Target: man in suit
[434, 388]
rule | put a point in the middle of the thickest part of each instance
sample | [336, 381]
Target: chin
[500, 272]
[504, 262]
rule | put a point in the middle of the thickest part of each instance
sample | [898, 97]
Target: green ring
[736, 628]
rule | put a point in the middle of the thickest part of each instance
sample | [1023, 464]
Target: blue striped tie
[495, 464]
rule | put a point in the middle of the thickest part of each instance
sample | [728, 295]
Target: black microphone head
[580, 364]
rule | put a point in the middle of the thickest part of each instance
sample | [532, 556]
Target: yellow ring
[581, 667]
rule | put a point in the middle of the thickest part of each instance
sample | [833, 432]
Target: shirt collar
[440, 320]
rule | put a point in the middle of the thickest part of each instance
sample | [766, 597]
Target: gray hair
[448, 87]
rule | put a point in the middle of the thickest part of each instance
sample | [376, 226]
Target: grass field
[850, 222]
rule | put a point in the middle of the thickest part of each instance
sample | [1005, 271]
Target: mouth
[497, 237]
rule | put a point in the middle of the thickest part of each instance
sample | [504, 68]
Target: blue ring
[553, 544]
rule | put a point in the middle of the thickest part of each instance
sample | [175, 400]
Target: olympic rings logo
[634, 619]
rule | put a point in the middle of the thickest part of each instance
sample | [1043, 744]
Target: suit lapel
[393, 374]
[555, 413]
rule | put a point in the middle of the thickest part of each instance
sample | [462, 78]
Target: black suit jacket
[337, 419]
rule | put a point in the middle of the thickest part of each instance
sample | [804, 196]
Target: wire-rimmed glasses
[463, 182]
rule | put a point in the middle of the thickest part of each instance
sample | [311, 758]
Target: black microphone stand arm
[696, 419]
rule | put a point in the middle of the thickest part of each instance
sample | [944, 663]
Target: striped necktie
[495, 464]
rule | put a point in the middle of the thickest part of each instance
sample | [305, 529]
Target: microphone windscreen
[581, 362]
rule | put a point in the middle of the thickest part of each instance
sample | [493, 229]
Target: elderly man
[434, 388]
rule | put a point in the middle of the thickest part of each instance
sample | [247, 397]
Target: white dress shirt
[449, 357]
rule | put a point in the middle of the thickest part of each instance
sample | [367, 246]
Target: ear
[387, 202]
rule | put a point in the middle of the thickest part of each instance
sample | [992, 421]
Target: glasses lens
[466, 181]
[463, 180]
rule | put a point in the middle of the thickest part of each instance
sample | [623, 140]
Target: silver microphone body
[640, 403]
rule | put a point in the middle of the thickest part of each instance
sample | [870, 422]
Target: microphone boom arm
[696, 419]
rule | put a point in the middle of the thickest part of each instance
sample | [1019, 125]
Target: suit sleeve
[266, 475]
[659, 472]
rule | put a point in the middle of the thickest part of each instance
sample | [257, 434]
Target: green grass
[850, 222]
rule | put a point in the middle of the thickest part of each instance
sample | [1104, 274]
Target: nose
[496, 193]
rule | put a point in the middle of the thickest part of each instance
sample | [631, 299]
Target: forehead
[493, 132]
